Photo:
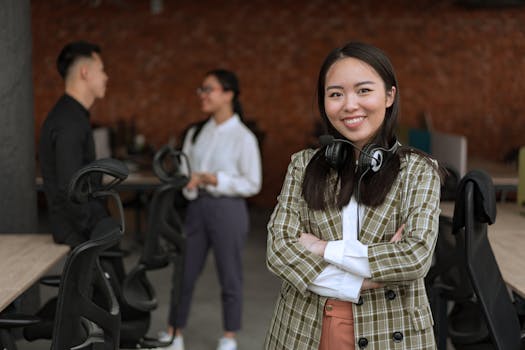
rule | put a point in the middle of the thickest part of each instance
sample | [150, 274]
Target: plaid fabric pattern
[398, 310]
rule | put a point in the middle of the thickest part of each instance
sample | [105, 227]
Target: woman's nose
[351, 102]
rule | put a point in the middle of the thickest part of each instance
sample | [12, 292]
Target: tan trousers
[338, 326]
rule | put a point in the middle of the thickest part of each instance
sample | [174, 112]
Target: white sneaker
[227, 344]
[163, 336]
[177, 343]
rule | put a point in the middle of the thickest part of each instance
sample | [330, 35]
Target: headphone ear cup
[372, 157]
[335, 155]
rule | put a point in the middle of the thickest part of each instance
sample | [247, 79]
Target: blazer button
[390, 294]
[397, 336]
[362, 342]
[360, 301]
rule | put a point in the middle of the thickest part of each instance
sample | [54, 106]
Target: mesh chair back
[485, 276]
[79, 321]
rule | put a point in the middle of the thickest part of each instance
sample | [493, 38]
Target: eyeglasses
[205, 90]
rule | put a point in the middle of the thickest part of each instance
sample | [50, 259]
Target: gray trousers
[221, 224]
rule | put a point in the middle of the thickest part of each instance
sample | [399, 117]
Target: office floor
[204, 325]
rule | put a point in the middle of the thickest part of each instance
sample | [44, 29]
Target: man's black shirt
[66, 145]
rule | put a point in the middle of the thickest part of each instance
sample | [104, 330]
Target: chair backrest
[485, 276]
[78, 318]
[449, 263]
[88, 183]
[450, 184]
[163, 245]
[165, 236]
[87, 310]
[165, 241]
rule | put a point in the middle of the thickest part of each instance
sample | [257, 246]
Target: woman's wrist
[318, 247]
[208, 179]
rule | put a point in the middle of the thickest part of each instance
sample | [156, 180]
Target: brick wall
[463, 67]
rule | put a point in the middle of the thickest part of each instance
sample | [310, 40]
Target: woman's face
[213, 97]
[356, 100]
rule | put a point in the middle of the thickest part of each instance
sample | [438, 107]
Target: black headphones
[370, 157]
[166, 165]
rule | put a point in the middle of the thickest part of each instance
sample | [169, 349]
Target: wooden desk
[25, 258]
[507, 238]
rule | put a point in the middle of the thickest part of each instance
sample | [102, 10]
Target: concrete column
[18, 208]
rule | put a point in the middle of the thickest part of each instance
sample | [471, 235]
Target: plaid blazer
[396, 316]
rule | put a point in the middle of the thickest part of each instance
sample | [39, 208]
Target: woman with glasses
[226, 168]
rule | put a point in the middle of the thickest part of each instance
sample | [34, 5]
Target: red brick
[464, 67]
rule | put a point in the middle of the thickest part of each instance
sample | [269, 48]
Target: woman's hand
[194, 182]
[312, 243]
[201, 179]
[369, 284]
[208, 179]
[398, 235]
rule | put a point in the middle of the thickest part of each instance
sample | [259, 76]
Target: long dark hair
[372, 188]
[229, 82]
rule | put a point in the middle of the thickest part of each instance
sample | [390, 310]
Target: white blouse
[231, 152]
[348, 259]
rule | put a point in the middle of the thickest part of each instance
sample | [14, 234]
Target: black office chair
[85, 314]
[450, 183]
[492, 294]
[164, 244]
[10, 321]
[448, 280]
[81, 323]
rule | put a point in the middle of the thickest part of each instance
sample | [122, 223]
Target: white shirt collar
[234, 120]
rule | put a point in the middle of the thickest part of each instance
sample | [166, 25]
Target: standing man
[66, 142]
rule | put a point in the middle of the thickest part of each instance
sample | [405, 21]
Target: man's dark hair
[73, 51]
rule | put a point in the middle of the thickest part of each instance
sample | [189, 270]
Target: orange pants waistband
[338, 308]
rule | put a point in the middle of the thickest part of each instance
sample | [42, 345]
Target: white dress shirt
[348, 259]
[231, 152]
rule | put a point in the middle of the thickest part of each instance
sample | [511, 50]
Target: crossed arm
[317, 246]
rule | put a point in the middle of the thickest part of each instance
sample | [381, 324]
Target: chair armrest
[51, 280]
[519, 304]
[114, 254]
[17, 320]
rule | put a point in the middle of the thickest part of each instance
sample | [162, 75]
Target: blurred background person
[226, 168]
[66, 142]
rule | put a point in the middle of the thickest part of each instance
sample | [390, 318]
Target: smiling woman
[226, 169]
[347, 285]
[356, 99]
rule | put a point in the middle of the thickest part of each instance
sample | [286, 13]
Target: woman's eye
[363, 90]
[335, 94]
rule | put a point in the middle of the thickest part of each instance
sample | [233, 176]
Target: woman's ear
[390, 96]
